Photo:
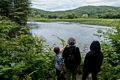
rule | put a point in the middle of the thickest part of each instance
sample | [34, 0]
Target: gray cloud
[60, 5]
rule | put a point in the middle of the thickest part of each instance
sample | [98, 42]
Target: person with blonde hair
[72, 58]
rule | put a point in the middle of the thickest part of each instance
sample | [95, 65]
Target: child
[58, 64]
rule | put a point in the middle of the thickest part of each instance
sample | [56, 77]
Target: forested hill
[85, 11]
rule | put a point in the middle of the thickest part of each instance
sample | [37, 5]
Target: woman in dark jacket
[93, 61]
[72, 59]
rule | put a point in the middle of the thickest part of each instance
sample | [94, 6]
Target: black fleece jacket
[93, 59]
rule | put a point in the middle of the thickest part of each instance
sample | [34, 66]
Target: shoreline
[90, 21]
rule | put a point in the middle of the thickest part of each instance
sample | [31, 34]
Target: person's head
[95, 46]
[71, 41]
[56, 50]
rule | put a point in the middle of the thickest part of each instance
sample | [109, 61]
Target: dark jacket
[93, 58]
[77, 55]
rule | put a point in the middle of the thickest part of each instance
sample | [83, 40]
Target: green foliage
[5, 7]
[85, 11]
[111, 65]
[16, 10]
[24, 57]
[110, 15]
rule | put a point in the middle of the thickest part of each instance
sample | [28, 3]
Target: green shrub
[24, 57]
[111, 65]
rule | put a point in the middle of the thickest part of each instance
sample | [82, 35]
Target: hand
[61, 50]
[62, 72]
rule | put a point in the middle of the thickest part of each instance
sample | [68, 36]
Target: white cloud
[57, 5]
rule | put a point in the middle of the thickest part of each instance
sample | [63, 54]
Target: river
[84, 34]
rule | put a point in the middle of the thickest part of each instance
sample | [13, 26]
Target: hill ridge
[92, 11]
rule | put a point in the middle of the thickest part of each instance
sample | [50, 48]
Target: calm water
[84, 34]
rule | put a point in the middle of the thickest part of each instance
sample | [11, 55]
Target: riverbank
[92, 21]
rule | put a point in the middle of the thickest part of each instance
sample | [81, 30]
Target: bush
[111, 65]
[24, 57]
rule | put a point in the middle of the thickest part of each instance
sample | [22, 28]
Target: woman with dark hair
[93, 61]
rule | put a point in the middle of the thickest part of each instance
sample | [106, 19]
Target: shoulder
[89, 53]
[77, 48]
[66, 47]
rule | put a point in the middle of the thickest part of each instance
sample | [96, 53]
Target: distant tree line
[110, 15]
[72, 16]
[16, 10]
[85, 12]
[36, 13]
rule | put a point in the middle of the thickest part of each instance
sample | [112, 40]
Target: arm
[64, 53]
[86, 62]
[78, 56]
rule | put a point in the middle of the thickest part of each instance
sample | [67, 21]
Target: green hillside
[85, 11]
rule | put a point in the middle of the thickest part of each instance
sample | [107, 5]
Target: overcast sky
[60, 5]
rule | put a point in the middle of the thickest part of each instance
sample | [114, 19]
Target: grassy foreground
[93, 21]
